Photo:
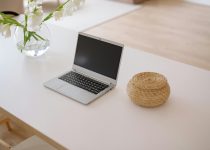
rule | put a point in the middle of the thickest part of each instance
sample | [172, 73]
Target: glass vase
[36, 45]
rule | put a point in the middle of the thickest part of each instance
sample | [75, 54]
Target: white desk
[112, 122]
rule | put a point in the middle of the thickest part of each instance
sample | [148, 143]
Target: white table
[112, 122]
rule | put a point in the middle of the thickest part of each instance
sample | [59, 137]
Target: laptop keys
[83, 82]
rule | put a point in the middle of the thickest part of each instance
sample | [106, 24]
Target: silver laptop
[94, 72]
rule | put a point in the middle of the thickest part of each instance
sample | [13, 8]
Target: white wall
[204, 2]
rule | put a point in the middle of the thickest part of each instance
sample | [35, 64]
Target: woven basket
[148, 89]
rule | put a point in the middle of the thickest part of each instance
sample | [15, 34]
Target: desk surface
[113, 121]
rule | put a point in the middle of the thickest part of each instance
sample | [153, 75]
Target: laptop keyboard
[83, 82]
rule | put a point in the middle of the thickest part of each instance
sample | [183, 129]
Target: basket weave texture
[148, 89]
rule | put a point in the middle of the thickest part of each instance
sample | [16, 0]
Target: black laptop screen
[98, 56]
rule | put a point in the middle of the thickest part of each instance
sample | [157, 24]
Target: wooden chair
[6, 121]
[32, 143]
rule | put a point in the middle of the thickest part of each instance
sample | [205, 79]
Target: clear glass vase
[35, 46]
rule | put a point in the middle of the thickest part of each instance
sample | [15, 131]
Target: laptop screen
[98, 56]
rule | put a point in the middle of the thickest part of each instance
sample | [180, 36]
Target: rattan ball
[148, 89]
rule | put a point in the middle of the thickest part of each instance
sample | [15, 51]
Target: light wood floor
[171, 28]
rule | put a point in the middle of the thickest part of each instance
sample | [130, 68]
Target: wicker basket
[148, 89]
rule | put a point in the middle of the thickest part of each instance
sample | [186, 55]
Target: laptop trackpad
[76, 93]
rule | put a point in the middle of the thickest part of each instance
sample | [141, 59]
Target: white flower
[36, 18]
[31, 6]
[69, 8]
[78, 3]
[26, 12]
[6, 31]
[58, 14]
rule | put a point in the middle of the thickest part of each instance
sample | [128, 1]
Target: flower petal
[78, 3]
[36, 20]
[58, 14]
[6, 31]
[69, 8]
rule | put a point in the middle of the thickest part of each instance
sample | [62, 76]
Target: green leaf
[26, 21]
[9, 20]
[29, 37]
[40, 37]
[48, 17]
[25, 36]
[25, 30]
[35, 37]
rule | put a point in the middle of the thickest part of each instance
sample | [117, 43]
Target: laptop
[94, 71]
